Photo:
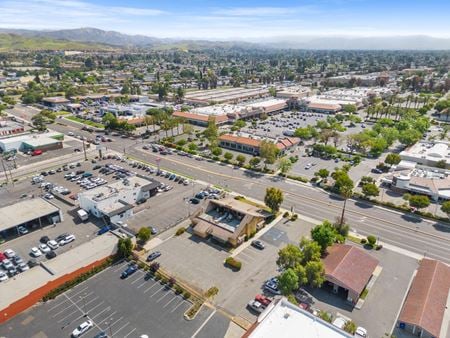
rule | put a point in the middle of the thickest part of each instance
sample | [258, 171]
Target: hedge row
[233, 263]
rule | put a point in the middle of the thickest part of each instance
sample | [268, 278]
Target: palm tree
[346, 192]
[149, 120]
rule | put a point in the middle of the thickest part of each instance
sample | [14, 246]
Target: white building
[115, 202]
[282, 319]
[428, 153]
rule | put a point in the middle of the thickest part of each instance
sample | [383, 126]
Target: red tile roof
[426, 301]
[200, 117]
[241, 140]
[350, 266]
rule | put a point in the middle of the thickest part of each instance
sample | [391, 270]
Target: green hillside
[13, 42]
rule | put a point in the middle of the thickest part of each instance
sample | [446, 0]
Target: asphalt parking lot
[141, 307]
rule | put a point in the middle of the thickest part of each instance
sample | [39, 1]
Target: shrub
[233, 263]
[212, 291]
[186, 294]
[154, 266]
[325, 316]
[371, 239]
[157, 276]
[172, 281]
[294, 217]
[180, 231]
[178, 289]
[291, 298]
[164, 280]
[286, 214]
[378, 247]
[363, 241]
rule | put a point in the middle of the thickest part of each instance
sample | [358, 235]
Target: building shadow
[325, 295]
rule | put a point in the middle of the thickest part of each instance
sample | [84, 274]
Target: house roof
[200, 117]
[287, 142]
[241, 140]
[55, 99]
[426, 301]
[350, 266]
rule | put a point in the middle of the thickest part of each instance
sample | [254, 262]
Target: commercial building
[55, 102]
[294, 92]
[33, 141]
[230, 95]
[115, 202]
[228, 220]
[282, 319]
[267, 107]
[436, 185]
[35, 212]
[10, 127]
[372, 79]
[200, 119]
[428, 153]
[250, 145]
[349, 268]
[425, 312]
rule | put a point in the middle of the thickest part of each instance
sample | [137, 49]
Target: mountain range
[120, 40]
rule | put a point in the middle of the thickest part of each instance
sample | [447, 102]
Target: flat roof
[24, 211]
[285, 320]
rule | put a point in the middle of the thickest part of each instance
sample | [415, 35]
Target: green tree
[288, 281]
[289, 256]
[125, 247]
[284, 165]
[144, 234]
[211, 132]
[273, 91]
[445, 207]
[310, 250]
[441, 164]
[350, 327]
[39, 122]
[370, 190]
[322, 173]
[268, 151]
[273, 199]
[110, 121]
[350, 108]
[228, 156]
[216, 151]
[254, 161]
[315, 273]
[240, 159]
[392, 159]
[409, 137]
[324, 234]
[239, 124]
[419, 201]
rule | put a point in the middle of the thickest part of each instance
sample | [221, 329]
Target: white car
[35, 252]
[7, 264]
[361, 332]
[67, 240]
[3, 276]
[9, 253]
[52, 244]
[44, 248]
[82, 328]
[340, 322]
[70, 133]
[48, 196]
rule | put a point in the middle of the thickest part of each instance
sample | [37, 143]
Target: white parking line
[118, 320]
[167, 293]
[65, 317]
[136, 280]
[96, 306]
[98, 314]
[54, 307]
[151, 287]
[170, 301]
[142, 284]
[81, 310]
[203, 324]
[129, 333]
[106, 318]
[121, 266]
[71, 296]
[59, 312]
[176, 307]
[121, 328]
[162, 287]
[92, 300]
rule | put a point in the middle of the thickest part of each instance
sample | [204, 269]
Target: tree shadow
[253, 174]
[411, 218]
[441, 227]
[363, 205]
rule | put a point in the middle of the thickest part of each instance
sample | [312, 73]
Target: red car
[2, 257]
[263, 299]
[36, 152]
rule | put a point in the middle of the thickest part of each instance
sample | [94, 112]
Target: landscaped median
[87, 122]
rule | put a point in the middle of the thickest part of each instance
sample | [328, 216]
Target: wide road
[406, 231]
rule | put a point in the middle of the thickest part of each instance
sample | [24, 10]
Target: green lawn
[88, 122]
[62, 112]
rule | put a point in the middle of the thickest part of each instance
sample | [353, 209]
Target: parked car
[67, 240]
[35, 252]
[258, 244]
[361, 332]
[82, 328]
[103, 230]
[17, 260]
[50, 255]
[264, 300]
[52, 244]
[3, 276]
[44, 239]
[2, 257]
[7, 264]
[339, 322]
[23, 267]
[153, 256]
[153, 230]
[194, 200]
[129, 271]
[255, 306]
[272, 286]
[44, 248]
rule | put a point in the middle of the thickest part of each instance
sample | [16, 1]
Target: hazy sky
[234, 19]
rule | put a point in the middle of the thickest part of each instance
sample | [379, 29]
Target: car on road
[256, 306]
[129, 271]
[44, 248]
[35, 252]
[258, 244]
[66, 240]
[153, 256]
[82, 328]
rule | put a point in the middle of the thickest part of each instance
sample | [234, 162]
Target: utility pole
[84, 150]
[4, 170]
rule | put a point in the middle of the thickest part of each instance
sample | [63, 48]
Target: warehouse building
[24, 143]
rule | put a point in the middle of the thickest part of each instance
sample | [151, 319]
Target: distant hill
[14, 42]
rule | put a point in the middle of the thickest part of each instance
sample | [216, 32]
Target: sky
[236, 20]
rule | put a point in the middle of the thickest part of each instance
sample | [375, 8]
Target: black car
[44, 239]
[153, 256]
[258, 244]
[32, 263]
[50, 255]
[194, 200]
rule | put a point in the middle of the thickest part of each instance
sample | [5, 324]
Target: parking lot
[141, 307]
